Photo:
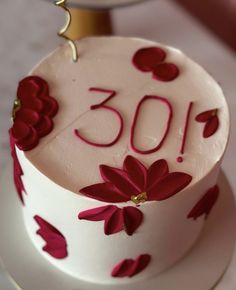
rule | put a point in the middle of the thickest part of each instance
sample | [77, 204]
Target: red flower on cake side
[115, 219]
[151, 59]
[56, 245]
[33, 112]
[17, 170]
[211, 120]
[205, 204]
[137, 183]
[130, 267]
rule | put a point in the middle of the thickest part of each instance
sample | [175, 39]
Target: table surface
[28, 32]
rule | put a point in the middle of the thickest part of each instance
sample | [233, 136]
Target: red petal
[130, 268]
[20, 130]
[137, 172]
[133, 218]
[104, 192]
[56, 244]
[169, 186]
[211, 127]
[28, 102]
[119, 179]
[140, 264]
[30, 142]
[166, 72]
[156, 171]
[123, 269]
[114, 223]
[44, 126]
[205, 116]
[205, 204]
[146, 59]
[27, 116]
[32, 86]
[97, 214]
[50, 106]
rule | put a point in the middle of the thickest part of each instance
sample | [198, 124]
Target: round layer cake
[116, 156]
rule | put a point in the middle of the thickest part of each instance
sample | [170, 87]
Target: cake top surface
[174, 111]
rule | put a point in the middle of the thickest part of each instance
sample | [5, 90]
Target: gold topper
[61, 33]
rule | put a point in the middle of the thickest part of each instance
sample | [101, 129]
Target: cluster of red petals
[121, 184]
[34, 118]
[17, 170]
[130, 267]
[115, 219]
[211, 121]
[151, 59]
[56, 245]
[205, 204]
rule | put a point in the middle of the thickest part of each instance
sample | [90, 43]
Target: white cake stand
[201, 269]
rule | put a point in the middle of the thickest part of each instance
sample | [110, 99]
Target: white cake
[117, 192]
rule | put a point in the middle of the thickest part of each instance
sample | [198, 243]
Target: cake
[116, 157]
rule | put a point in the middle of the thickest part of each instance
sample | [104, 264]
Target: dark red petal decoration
[136, 171]
[211, 127]
[114, 223]
[115, 219]
[133, 218]
[205, 204]
[104, 192]
[97, 214]
[156, 171]
[145, 59]
[33, 118]
[119, 178]
[165, 72]
[211, 120]
[17, 170]
[130, 267]
[135, 181]
[169, 186]
[56, 245]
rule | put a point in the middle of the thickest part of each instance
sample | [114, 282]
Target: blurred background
[203, 29]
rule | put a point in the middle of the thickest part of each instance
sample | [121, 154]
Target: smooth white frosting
[62, 164]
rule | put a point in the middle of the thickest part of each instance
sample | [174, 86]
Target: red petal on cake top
[135, 181]
[211, 127]
[115, 219]
[145, 59]
[133, 218]
[169, 186]
[33, 115]
[211, 120]
[166, 72]
[205, 204]
[56, 245]
[130, 267]
[104, 192]
[136, 171]
[28, 116]
[156, 171]
[119, 179]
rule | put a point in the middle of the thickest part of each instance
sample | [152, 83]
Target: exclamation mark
[180, 158]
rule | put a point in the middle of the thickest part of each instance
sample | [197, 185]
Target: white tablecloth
[28, 32]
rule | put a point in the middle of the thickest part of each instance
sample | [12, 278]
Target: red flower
[151, 59]
[17, 170]
[130, 267]
[137, 183]
[56, 245]
[211, 121]
[115, 219]
[205, 204]
[34, 113]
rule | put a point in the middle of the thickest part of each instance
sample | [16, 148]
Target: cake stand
[200, 269]
[92, 17]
